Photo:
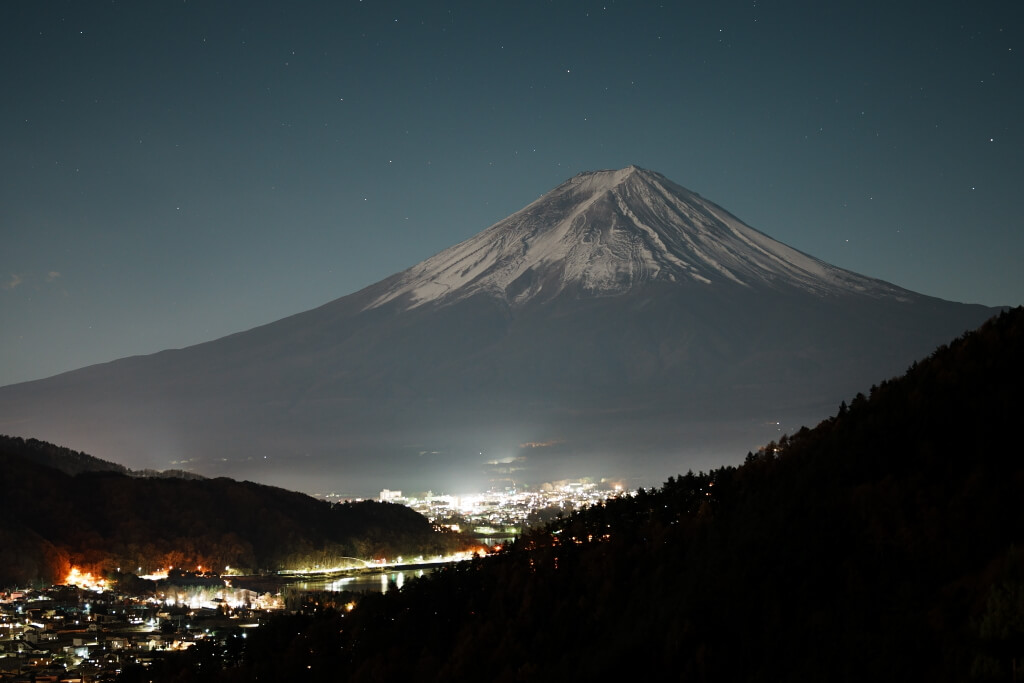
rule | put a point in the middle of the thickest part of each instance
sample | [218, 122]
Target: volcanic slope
[619, 326]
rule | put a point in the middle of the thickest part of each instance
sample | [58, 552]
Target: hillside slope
[884, 544]
[105, 519]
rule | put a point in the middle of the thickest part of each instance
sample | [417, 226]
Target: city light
[155, 576]
[85, 580]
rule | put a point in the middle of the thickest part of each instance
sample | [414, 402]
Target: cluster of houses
[65, 634]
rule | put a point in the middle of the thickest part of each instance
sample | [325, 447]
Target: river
[362, 583]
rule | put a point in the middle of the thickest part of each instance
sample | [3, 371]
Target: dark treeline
[884, 544]
[57, 457]
[104, 520]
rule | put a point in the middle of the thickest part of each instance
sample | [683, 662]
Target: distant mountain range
[618, 326]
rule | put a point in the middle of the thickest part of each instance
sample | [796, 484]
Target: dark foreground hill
[884, 544]
[104, 519]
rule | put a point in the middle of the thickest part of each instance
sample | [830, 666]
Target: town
[71, 633]
[508, 511]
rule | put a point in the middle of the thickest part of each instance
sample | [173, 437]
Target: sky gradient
[172, 172]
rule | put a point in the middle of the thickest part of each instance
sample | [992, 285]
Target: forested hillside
[57, 457]
[106, 519]
[884, 544]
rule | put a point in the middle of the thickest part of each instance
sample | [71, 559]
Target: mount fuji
[619, 326]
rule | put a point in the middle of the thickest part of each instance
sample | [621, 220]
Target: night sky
[171, 172]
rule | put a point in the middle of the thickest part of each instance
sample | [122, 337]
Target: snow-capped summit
[605, 232]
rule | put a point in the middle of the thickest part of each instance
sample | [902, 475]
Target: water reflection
[364, 583]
